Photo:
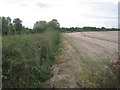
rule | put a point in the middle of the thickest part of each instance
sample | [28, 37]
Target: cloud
[102, 13]
[119, 14]
[42, 5]
[69, 13]
[23, 5]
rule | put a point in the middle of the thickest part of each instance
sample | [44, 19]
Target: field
[95, 45]
[47, 54]
[86, 60]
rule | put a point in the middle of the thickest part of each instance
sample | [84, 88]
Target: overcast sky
[69, 13]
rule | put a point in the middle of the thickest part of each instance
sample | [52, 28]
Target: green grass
[97, 75]
[27, 59]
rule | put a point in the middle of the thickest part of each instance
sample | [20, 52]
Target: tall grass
[104, 75]
[27, 59]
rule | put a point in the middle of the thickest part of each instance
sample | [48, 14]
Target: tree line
[78, 29]
[14, 27]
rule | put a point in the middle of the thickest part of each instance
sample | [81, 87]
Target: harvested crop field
[86, 60]
[95, 45]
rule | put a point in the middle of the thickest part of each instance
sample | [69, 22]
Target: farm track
[90, 49]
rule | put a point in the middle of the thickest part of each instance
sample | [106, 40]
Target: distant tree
[17, 25]
[53, 24]
[10, 26]
[40, 26]
[27, 30]
[11, 29]
[6, 22]
[103, 28]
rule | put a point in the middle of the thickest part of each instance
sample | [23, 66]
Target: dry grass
[86, 60]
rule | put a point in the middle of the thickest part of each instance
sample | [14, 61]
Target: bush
[105, 76]
[27, 59]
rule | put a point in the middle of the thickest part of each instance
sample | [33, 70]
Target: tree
[103, 28]
[40, 26]
[11, 29]
[6, 21]
[17, 25]
[53, 24]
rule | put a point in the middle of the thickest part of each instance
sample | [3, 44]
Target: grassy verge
[99, 77]
[27, 59]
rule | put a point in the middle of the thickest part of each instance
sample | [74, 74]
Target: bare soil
[91, 49]
[95, 45]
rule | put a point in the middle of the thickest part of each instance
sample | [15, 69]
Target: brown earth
[88, 49]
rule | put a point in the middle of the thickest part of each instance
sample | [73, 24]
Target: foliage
[53, 24]
[105, 76]
[11, 28]
[6, 22]
[42, 26]
[84, 29]
[27, 59]
[17, 25]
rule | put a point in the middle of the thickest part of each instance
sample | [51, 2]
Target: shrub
[27, 59]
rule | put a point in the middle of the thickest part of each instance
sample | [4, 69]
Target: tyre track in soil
[77, 47]
[101, 39]
[67, 70]
[94, 46]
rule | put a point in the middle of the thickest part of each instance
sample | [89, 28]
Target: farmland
[95, 44]
[49, 56]
[86, 60]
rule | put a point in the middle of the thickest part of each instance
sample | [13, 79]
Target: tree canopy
[17, 25]
[12, 27]
[41, 26]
